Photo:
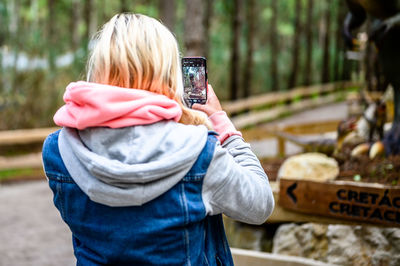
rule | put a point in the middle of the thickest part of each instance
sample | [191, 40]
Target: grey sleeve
[236, 184]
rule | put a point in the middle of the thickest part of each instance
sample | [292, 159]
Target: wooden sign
[370, 203]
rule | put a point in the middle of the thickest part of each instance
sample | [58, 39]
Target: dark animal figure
[385, 34]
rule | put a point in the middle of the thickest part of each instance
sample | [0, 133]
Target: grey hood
[133, 165]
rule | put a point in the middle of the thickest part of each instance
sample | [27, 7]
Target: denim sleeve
[236, 184]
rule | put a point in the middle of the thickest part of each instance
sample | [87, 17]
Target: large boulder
[309, 166]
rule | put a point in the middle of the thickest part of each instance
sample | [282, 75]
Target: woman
[137, 176]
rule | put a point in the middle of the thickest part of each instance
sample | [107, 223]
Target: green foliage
[296, 98]
[13, 173]
[266, 13]
[18, 174]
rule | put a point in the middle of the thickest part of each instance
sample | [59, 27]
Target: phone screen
[194, 80]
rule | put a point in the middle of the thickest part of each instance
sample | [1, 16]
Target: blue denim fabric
[172, 229]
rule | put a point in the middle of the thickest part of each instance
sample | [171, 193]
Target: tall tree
[75, 18]
[194, 28]
[251, 17]
[167, 13]
[309, 43]
[3, 25]
[87, 14]
[296, 45]
[94, 19]
[124, 6]
[339, 41]
[3, 38]
[235, 49]
[274, 46]
[326, 44]
[51, 35]
[209, 12]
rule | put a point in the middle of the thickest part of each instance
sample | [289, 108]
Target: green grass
[19, 173]
[296, 99]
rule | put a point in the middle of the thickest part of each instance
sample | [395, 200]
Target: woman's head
[136, 51]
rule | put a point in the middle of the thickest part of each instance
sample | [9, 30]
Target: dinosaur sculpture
[385, 34]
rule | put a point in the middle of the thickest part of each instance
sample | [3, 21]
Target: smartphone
[194, 70]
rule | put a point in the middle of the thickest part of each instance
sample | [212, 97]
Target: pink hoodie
[98, 105]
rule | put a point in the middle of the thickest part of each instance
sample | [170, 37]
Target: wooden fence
[266, 107]
[245, 113]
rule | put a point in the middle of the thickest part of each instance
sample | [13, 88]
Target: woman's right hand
[212, 105]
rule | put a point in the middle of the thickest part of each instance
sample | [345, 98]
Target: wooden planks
[362, 202]
[273, 98]
[25, 136]
[31, 160]
[257, 117]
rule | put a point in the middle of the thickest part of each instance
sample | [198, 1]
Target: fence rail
[25, 136]
[266, 107]
[247, 112]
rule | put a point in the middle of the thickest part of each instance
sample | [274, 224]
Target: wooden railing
[25, 136]
[22, 137]
[247, 112]
[266, 107]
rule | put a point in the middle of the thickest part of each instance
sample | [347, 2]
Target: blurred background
[252, 47]
[282, 71]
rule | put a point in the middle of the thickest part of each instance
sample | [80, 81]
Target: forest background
[252, 46]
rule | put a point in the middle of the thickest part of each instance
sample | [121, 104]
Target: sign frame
[364, 202]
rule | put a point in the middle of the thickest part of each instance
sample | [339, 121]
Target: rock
[343, 247]
[340, 244]
[285, 241]
[307, 240]
[309, 166]
[245, 236]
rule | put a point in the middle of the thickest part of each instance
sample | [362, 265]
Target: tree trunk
[51, 35]
[248, 70]
[274, 46]
[14, 31]
[296, 46]
[207, 22]
[3, 30]
[74, 24]
[235, 52]
[167, 13]
[194, 28]
[93, 20]
[124, 6]
[339, 58]
[309, 43]
[87, 14]
[326, 44]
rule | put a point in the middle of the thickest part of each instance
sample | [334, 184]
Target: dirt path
[31, 230]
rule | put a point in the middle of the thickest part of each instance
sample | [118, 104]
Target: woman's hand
[212, 105]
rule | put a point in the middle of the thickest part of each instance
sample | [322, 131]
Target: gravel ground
[31, 229]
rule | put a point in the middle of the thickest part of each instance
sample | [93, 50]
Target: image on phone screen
[194, 82]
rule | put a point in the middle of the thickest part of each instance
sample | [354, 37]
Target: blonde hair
[136, 51]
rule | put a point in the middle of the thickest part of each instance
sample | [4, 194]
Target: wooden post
[281, 146]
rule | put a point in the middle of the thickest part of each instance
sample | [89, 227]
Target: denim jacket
[172, 229]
